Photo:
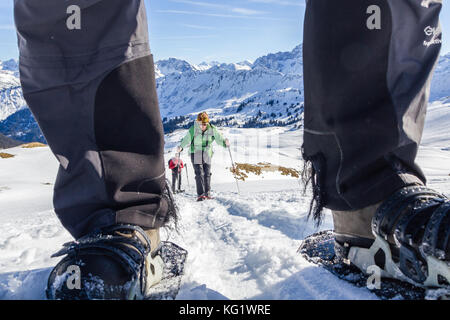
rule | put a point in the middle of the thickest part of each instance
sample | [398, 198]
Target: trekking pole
[187, 176]
[234, 170]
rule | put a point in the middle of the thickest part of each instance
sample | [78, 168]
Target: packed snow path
[240, 246]
[244, 247]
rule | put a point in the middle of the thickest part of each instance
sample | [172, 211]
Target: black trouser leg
[179, 180]
[199, 179]
[207, 177]
[88, 77]
[199, 173]
[367, 71]
[174, 179]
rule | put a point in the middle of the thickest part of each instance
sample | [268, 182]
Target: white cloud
[200, 3]
[194, 26]
[238, 10]
[247, 11]
[219, 15]
[7, 27]
[296, 3]
[185, 37]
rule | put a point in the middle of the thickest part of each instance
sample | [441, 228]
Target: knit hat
[203, 117]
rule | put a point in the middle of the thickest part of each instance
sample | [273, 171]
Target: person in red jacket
[176, 165]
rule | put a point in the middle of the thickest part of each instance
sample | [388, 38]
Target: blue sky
[206, 30]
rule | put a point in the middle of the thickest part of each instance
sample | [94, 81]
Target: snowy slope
[240, 246]
[437, 125]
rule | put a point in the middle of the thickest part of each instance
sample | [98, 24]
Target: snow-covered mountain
[266, 92]
[207, 65]
[6, 142]
[22, 126]
[441, 79]
[11, 98]
[172, 66]
[10, 65]
[284, 62]
[227, 91]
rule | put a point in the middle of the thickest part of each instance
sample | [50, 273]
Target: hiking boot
[208, 195]
[407, 236]
[118, 262]
[201, 198]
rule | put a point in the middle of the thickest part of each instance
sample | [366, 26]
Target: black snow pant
[367, 71]
[88, 77]
[176, 176]
[202, 169]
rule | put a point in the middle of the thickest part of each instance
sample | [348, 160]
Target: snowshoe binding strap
[418, 219]
[389, 212]
[128, 245]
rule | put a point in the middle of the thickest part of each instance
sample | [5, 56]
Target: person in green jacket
[200, 138]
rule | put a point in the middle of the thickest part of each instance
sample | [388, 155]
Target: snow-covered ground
[241, 246]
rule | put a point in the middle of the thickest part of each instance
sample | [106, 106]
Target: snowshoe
[118, 262]
[319, 249]
[208, 196]
[201, 198]
[407, 237]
